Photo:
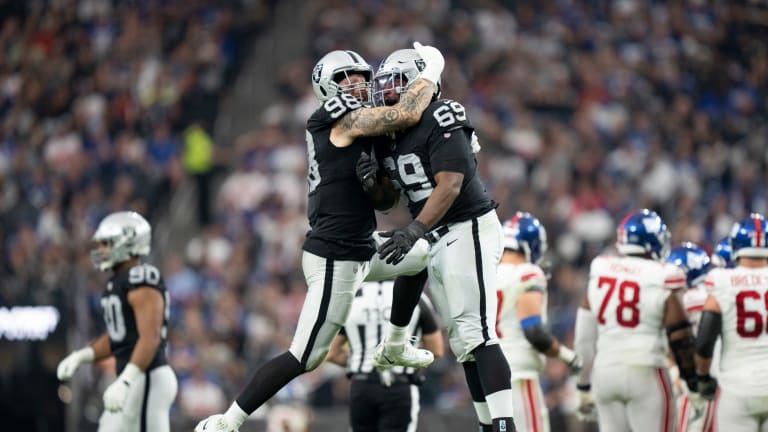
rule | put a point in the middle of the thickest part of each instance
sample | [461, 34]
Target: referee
[385, 401]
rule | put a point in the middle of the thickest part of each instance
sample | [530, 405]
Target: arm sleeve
[585, 342]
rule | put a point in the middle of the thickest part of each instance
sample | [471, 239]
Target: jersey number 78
[628, 293]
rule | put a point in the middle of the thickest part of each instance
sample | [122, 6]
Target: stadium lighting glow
[28, 322]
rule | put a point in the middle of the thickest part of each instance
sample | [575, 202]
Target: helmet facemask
[360, 90]
[388, 86]
[109, 252]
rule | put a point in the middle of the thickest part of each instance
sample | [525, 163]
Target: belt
[374, 377]
[436, 234]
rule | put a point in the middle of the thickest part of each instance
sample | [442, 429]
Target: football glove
[115, 394]
[434, 63]
[215, 423]
[69, 365]
[586, 411]
[366, 169]
[698, 406]
[400, 241]
[707, 386]
[230, 421]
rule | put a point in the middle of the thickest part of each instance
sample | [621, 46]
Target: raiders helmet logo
[129, 232]
[420, 64]
[316, 73]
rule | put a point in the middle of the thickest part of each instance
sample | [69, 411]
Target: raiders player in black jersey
[135, 307]
[339, 247]
[434, 166]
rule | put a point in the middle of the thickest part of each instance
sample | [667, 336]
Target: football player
[339, 247]
[434, 166]
[382, 400]
[737, 311]
[136, 307]
[721, 256]
[522, 295]
[620, 326]
[696, 414]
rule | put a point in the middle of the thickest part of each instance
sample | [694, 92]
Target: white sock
[500, 403]
[396, 335]
[483, 413]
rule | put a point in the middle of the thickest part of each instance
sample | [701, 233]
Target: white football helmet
[128, 235]
[395, 73]
[333, 68]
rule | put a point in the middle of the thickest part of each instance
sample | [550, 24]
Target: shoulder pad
[674, 277]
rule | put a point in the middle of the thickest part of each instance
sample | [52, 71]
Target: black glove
[707, 386]
[366, 169]
[400, 241]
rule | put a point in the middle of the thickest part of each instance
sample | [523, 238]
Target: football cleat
[389, 355]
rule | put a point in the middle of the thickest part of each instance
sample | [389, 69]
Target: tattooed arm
[380, 120]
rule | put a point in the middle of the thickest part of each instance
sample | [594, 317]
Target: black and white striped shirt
[368, 321]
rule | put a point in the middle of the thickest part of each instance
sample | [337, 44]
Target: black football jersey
[440, 142]
[120, 319]
[341, 215]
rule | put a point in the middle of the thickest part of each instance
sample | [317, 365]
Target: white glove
[698, 405]
[215, 423]
[587, 411]
[230, 421]
[115, 394]
[434, 63]
[69, 365]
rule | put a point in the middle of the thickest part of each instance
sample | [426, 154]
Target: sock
[504, 424]
[483, 413]
[500, 404]
[267, 380]
[486, 427]
[476, 391]
[405, 297]
[396, 335]
[493, 370]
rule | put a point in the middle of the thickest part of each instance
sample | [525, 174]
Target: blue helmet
[524, 233]
[748, 237]
[721, 257]
[693, 260]
[643, 232]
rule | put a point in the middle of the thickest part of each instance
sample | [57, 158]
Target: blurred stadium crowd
[585, 110]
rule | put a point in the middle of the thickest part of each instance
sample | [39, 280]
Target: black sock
[504, 424]
[268, 380]
[486, 428]
[473, 381]
[405, 297]
[492, 368]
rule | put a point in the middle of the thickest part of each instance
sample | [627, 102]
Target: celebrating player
[737, 311]
[135, 306]
[434, 165]
[696, 414]
[522, 293]
[619, 327]
[382, 400]
[339, 247]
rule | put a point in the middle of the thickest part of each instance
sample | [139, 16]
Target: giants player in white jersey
[696, 414]
[620, 330]
[522, 293]
[737, 310]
